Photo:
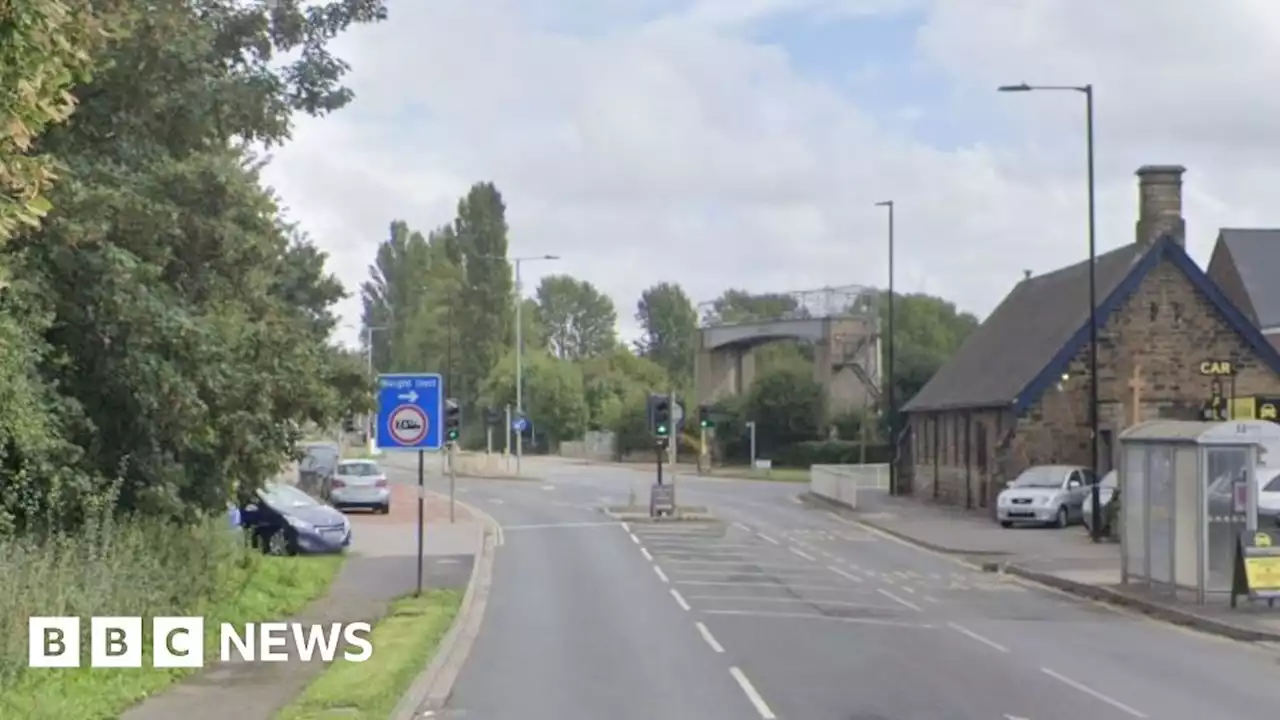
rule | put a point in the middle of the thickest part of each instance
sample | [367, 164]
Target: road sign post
[410, 415]
[453, 479]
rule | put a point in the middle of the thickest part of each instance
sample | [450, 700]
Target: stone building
[1244, 264]
[1170, 345]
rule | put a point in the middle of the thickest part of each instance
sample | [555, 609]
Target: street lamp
[520, 349]
[1087, 91]
[889, 399]
[372, 432]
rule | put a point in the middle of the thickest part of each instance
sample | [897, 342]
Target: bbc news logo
[178, 642]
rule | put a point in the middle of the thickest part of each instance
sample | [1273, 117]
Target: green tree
[927, 332]
[739, 306]
[612, 380]
[485, 310]
[787, 406]
[578, 321]
[184, 324]
[669, 324]
[553, 397]
[46, 47]
[394, 292]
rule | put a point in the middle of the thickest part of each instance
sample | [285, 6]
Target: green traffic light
[662, 429]
[453, 434]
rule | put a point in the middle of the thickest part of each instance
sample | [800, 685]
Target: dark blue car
[287, 521]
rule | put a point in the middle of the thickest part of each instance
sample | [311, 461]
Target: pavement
[1066, 559]
[777, 609]
[381, 567]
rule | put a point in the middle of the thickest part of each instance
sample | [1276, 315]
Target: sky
[745, 143]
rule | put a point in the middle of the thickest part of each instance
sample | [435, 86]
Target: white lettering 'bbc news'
[178, 642]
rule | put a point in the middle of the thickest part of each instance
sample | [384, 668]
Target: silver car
[1044, 495]
[360, 484]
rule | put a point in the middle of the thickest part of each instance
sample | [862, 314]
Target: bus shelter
[1187, 491]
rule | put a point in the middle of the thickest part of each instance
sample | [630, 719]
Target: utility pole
[520, 351]
[889, 399]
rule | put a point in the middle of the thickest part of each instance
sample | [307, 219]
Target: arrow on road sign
[411, 396]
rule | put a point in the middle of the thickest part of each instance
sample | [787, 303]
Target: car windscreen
[360, 469]
[1272, 485]
[1040, 477]
[285, 497]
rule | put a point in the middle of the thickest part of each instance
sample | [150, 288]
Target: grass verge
[777, 474]
[403, 643]
[134, 569]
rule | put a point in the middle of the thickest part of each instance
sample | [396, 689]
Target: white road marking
[1093, 693]
[661, 575]
[766, 538]
[742, 526]
[815, 616]
[752, 583]
[547, 526]
[796, 500]
[758, 599]
[635, 539]
[706, 635]
[1014, 717]
[844, 574]
[931, 599]
[646, 554]
[495, 501]
[803, 554]
[680, 599]
[548, 487]
[985, 641]
[626, 526]
[900, 601]
[752, 694]
[735, 563]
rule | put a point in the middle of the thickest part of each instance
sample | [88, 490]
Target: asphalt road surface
[782, 611]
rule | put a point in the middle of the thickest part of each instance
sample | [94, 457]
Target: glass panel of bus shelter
[1226, 505]
[1132, 503]
[1160, 523]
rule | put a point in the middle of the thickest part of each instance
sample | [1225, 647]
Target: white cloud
[678, 150]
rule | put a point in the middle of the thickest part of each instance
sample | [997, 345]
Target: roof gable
[1223, 272]
[1021, 336]
[970, 363]
[1254, 255]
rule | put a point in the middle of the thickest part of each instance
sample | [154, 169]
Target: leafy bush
[828, 452]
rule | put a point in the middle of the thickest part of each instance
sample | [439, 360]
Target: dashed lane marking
[900, 601]
[975, 636]
[661, 575]
[752, 694]
[706, 635]
[761, 584]
[680, 600]
[768, 539]
[1093, 693]
[800, 553]
[646, 554]
[843, 574]
[814, 616]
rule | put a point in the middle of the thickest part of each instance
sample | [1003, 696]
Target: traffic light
[704, 417]
[452, 419]
[660, 415]
[492, 416]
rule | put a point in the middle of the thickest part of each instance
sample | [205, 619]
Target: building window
[980, 440]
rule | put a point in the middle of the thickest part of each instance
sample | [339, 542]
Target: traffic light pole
[453, 479]
[661, 452]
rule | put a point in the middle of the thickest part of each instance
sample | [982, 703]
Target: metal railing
[842, 483]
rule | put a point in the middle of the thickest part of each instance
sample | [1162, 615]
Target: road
[782, 611]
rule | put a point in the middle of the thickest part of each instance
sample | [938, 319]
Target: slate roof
[1255, 253]
[1032, 335]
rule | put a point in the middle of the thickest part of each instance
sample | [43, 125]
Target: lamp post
[520, 349]
[1087, 91]
[889, 399]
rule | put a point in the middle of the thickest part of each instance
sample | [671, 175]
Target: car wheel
[1006, 523]
[385, 509]
[1064, 518]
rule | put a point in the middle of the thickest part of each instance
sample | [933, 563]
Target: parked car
[317, 466]
[1044, 495]
[1268, 496]
[286, 521]
[1107, 491]
[360, 484]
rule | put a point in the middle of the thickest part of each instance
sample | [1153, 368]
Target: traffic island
[641, 513]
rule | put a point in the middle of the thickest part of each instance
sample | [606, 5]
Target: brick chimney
[1160, 204]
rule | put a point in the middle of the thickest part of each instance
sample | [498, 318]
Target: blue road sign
[519, 424]
[410, 414]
